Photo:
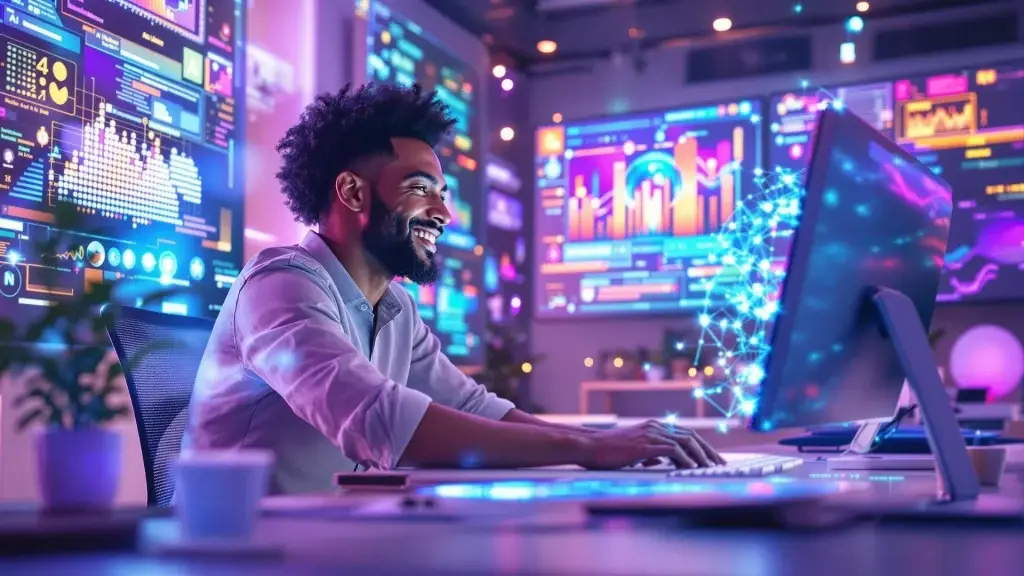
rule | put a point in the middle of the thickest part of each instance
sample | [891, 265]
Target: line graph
[938, 117]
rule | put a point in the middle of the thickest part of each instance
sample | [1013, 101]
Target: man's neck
[369, 276]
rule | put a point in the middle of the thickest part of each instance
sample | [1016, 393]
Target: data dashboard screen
[130, 111]
[968, 127]
[401, 52]
[627, 207]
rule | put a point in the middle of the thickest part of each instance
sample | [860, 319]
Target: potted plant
[654, 366]
[506, 364]
[68, 380]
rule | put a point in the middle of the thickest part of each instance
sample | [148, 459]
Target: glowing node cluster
[742, 297]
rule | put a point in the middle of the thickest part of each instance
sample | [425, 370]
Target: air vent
[991, 30]
[756, 58]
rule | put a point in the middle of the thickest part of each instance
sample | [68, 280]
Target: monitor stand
[959, 496]
[958, 480]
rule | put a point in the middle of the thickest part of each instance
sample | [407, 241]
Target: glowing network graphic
[747, 247]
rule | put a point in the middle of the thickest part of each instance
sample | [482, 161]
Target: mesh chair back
[160, 356]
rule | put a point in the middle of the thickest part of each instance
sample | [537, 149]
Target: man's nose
[439, 214]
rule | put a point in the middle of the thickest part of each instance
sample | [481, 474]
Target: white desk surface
[319, 534]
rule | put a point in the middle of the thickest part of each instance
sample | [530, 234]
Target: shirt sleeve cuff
[412, 406]
[495, 408]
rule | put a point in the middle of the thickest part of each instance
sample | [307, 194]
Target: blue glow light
[855, 25]
[526, 490]
[748, 281]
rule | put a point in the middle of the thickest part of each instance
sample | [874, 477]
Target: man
[318, 356]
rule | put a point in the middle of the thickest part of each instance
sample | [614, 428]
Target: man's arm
[288, 331]
[517, 416]
[432, 373]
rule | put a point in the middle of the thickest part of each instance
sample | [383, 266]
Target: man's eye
[419, 188]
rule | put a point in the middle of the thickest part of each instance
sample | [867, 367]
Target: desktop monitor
[628, 207]
[132, 113]
[965, 125]
[873, 218]
[402, 52]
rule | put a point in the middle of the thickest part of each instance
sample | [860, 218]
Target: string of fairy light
[742, 296]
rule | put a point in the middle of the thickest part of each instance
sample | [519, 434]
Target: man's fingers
[684, 439]
[708, 450]
[694, 450]
[667, 448]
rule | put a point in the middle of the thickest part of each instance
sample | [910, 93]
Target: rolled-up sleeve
[433, 373]
[288, 332]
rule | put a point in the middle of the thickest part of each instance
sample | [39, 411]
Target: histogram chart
[123, 111]
[969, 127]
[672, 190]
[628, 206]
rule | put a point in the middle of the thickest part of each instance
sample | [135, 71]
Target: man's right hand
[622, 447]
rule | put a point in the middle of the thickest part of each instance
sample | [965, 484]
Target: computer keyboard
[738, 465]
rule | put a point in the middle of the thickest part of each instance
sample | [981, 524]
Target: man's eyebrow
[426, 176]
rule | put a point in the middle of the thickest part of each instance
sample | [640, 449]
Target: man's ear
[352, 191]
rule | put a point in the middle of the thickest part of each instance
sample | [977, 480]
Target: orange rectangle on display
[587, 219]
[29, 214]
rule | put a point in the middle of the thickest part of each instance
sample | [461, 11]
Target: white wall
[615, 87]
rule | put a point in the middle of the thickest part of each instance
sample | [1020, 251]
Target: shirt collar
[350, 293]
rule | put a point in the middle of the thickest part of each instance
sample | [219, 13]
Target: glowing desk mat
[775, 488]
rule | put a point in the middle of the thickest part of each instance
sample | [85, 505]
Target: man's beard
[388, 238]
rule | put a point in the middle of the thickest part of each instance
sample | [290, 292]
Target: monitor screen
[968, 126]
[793, 118]
[130, 111]
[402, 52]
[627, 207]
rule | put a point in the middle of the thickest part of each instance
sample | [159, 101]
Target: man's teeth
[428, 236]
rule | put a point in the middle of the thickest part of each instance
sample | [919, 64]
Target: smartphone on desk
[372, 480]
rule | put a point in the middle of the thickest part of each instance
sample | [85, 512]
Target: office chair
[160, 356]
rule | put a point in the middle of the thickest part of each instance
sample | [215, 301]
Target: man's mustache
[428, 224]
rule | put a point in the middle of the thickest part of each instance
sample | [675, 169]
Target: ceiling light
[507, 133]
[556, 117]
[547, 46]
[507, 84]
[721, 24]
[499, 71]
[863, 6]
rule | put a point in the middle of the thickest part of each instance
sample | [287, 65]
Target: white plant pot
[78, 469]
[655, 373]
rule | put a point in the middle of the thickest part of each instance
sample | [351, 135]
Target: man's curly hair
[337, 129]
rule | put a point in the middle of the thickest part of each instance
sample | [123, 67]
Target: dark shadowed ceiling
[597, 28]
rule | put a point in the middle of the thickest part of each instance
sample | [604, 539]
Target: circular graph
[148, 262]
[114, 257]
[10, 280]
[128, 258]
[987, 356]
[659, 168]
[95, 253]
[168, 264]
[197, 268]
